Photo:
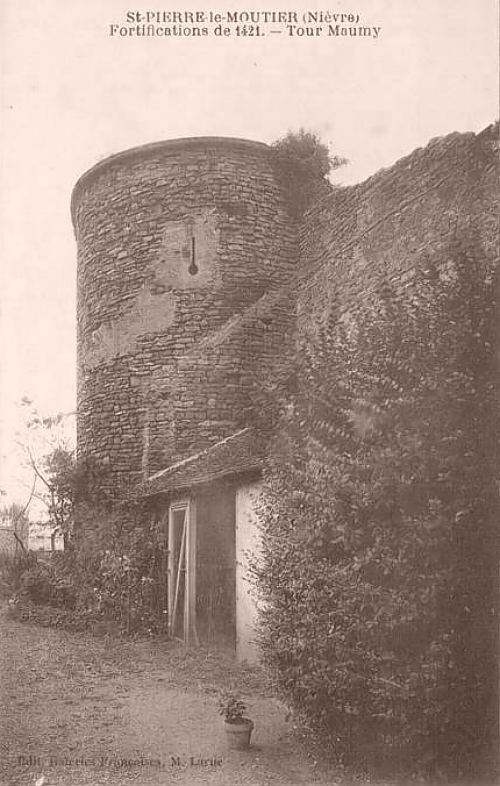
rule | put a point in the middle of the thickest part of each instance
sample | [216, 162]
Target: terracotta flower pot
[238, 734]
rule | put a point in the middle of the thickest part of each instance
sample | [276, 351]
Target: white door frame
[187, 505]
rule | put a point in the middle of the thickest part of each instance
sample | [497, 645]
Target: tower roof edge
[165, 146]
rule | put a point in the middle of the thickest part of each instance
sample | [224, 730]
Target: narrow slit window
[193, 267]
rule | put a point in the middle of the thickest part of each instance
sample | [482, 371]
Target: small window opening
[193, 267]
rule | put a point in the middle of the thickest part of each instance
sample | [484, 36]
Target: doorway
[216, 566]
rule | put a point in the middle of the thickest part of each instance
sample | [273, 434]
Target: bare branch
[35, 469]
[18, 539]
[23, 510]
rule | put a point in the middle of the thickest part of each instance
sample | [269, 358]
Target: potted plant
[238, 727]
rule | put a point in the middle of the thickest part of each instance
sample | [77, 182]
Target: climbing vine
[379, 535]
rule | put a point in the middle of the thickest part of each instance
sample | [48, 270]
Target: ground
[90, 702]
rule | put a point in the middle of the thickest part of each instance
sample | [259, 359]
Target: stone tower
[175, 241]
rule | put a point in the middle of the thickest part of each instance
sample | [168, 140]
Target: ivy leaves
[378, 528]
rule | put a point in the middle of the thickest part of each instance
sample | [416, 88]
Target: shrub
[35, 585]
[113, 570]
[379, 535]
[115, 567]
[42, 585]
[303, 163]
[12, 568]
[49, 616]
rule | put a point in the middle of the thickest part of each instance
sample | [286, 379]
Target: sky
[72, 94]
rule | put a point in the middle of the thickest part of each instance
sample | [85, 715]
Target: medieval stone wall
[385, 228]
[193, 283]
[175, 240]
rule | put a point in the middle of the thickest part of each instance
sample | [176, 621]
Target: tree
[15, 516]
[47, 444]
[303, 164]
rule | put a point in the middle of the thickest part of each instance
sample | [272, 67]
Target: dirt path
[83, 710]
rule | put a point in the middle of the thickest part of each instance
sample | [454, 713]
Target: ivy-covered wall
[380, 530]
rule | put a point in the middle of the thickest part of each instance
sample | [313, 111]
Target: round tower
[175, 240]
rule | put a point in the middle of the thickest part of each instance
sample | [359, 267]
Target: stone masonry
[175, 241]
[194, 282]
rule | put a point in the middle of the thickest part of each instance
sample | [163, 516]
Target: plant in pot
[238, 727]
